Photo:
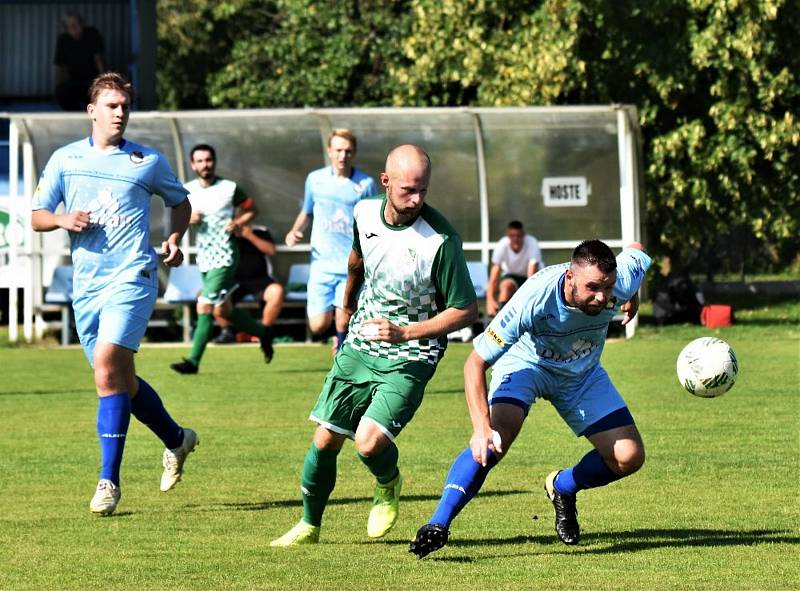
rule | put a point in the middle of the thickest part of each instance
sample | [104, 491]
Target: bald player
[417, 289]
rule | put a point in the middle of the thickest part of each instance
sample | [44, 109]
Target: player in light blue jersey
[546, 343]
[331, 193]
[105, 184]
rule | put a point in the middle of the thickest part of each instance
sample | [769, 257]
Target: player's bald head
[408, 157]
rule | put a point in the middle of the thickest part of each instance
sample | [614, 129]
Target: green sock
[245, 322]
[202, 333]
[319, 478]
[383, 465]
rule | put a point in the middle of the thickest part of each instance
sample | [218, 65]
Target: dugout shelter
[568, 173]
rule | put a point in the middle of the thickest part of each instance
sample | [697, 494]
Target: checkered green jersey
[216, 247]
[411, 273]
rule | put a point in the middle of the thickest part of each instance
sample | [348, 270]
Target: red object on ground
[716, 316]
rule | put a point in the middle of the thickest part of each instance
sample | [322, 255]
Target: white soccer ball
[707, 367]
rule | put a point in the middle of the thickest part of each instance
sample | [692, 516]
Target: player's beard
[584, 306]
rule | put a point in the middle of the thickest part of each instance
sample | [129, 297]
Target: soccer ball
[707, 367]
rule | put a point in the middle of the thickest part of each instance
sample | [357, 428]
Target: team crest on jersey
[137, 157]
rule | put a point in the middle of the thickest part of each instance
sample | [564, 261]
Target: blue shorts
[325, 291]
[117, 314]
[581, 401]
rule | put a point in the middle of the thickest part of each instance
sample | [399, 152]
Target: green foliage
[715, 82]
[286, 53]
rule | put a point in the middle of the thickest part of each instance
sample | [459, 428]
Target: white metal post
[483, 187]
[29, 283]
[627, 193]
[13, 260]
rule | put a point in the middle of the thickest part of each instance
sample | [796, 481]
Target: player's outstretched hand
[630, 308]
[481, 442]
[173, 255]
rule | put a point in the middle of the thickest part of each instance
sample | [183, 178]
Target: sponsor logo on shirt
[137, 157]
[103, 211]
[580, 349]
[495, 337]
[339, 223]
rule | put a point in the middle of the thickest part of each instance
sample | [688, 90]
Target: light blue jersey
[330, 199]
[537, 328]
[115, 187]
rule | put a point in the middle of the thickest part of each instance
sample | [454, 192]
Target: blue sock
[147, 407]
[463, 482]
[113, 418]
[341, 335]
[590, 472]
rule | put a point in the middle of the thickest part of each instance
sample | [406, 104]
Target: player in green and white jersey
[219, 207]
[417, 289]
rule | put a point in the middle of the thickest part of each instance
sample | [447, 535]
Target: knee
[103, 377]
[369, 446]
[318, 326]
[628, 457]
[327, 441]
[274, 292]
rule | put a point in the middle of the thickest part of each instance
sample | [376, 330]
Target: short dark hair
[595, 253]
[202, 148]
[109, 81]
[515, 225]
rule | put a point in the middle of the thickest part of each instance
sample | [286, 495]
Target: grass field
[715, 506]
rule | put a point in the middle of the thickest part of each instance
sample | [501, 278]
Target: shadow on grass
[620, 542]
[451, 391]
[56, 391]
[264, 505]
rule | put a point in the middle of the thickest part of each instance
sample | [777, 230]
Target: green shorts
[218, 285]
[386, 392]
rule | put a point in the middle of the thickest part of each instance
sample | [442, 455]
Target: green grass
[715, 506]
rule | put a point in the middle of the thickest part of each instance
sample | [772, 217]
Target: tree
[715, 82]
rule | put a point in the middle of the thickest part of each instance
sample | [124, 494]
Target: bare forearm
[264, 246]
[493, 284]
[355, 279]
[245, 217]
[43, 220]
[179, 220]
[447, 321]
[476, 392]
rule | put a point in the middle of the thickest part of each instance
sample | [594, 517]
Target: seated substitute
[516, 257]
[254, 276]
[547, 345]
